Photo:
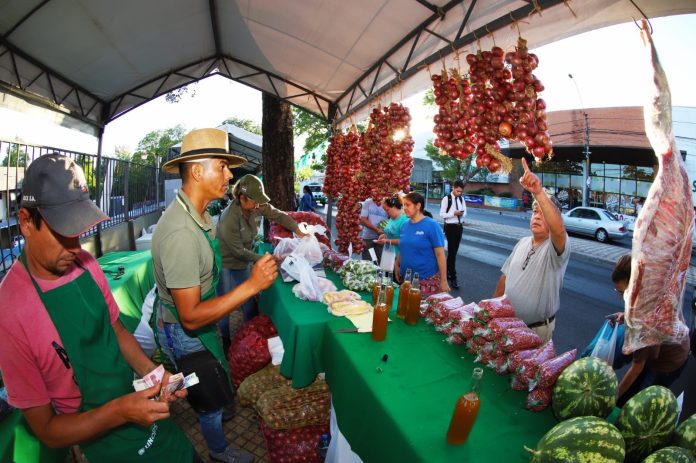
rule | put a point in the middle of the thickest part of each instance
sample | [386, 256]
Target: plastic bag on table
[310, 287]
[284, 248]
[497, 307]
[538, 399]
[388, 258]
[606, 343]
[550, 370]
[308, 246]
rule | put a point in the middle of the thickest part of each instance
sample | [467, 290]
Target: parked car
[596, 222]
[317, 194]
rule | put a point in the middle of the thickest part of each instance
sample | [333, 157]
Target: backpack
[449, 203]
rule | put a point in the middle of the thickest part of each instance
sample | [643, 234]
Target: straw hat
[202, 144]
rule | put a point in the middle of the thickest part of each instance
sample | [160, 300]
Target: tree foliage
[429, 98]
[178, 94]
[246, 124]
[453, 168]
[15, 156]
[157, 143]
[305, 123]
[122, 152]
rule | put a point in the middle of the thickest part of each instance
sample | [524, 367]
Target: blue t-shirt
[417, 243]
[393, 228]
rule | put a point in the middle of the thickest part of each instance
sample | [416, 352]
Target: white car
[596, 222]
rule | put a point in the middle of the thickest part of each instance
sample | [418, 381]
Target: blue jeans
[176, 343]
[229, 280]
[649, 377]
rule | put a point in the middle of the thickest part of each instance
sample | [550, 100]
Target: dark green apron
[208, 334]
[81, 317]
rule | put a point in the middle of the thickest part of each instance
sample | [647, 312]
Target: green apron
[81, 317]
[208, 334]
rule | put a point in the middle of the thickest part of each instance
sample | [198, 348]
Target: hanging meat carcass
[663, 231]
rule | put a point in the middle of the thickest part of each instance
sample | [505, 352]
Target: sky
[602, 62]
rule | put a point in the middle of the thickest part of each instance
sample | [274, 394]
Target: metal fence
[123, 189]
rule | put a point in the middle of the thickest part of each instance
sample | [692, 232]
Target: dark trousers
[453, 233]
[649, 377]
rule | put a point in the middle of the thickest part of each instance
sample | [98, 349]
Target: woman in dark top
[307, 202]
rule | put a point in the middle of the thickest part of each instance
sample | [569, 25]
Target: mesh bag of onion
[247, 357]
[293, 445]
[287, 408]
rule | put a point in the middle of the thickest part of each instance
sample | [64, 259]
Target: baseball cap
[57, 187]
[251, 186]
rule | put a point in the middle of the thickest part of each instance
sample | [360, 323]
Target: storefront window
[548, 180]
[628, 187]
[612, 170]
[563, 180]
[597, 169]
[644, 173]
[643, 188]
[612, 185]
[576, 181]
[597, 184]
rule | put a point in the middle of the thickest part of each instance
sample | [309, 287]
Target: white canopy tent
[97, 59]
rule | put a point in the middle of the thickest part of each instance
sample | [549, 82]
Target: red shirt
[33, 372]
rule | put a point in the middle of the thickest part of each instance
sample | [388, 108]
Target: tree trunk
[278, 165]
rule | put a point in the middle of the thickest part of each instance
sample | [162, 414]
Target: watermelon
[685, 435]
[647, 421]
[585, 438]
[586, 388]
[671, 455]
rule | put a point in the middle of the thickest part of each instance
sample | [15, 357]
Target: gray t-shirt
[181, 254]
[535, 292]
[375, 214]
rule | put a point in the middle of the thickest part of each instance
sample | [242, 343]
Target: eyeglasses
[529, 256]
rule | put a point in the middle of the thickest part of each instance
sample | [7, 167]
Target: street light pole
[157, 184]
[586, 150]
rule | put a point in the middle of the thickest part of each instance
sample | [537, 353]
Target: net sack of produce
[481, 331]
[497, 326]
[465, 312]
[517, 357]
[471, 346]
[259, 383]
[247, 357]
[455, 338]
[519, 339]
[538, 399]
[293, 445]
[498, 307]
[430, 286]
[358, 275]
[467, 327]
[261, 324]
[517, 384]
[288, 408]
[550, 370]
[527, 368]
[499, 364]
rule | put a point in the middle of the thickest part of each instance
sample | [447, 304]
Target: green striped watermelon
[583, 439]
[685, 435]
[647, 421]
[671, 455]
[586, 388]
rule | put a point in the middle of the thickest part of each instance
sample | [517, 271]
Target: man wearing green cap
[237, 229]
[67, 360]
[187, 263]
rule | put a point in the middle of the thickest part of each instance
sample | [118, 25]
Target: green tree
[178, 94]
[157, 143]
[302, 174]
[429, 98]
[122, 152]
[246, 124]
[15, 156]
[317, 130]
[453, 168]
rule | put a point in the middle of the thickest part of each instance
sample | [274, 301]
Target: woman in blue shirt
[307, 202]
[422, 247]
[393, 206]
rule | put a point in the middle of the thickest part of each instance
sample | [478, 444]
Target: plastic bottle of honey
[403, 295]
[380, 316]
[465, 412]
[375, 287]
[387, 281]
[413, 303]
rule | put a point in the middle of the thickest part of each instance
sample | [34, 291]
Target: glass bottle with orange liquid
[465, 412]
[380, 316]
[403, 295]
[413, 302]
[375, 287]
[387, 281]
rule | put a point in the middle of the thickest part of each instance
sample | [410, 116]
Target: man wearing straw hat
[187, 263]
[67, 360]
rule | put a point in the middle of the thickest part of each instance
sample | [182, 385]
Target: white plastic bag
[606, 344]
[310, 287]
[308, 247]
[284, 248]
[388, 258]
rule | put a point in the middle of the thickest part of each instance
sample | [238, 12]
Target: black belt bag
[213, 389]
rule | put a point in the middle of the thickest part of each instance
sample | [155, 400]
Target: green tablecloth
[130, 289]
[300, 325]
[402, 413]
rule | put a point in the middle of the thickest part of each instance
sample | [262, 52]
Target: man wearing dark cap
[533, 273]
[67, 360]
[187, 263]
